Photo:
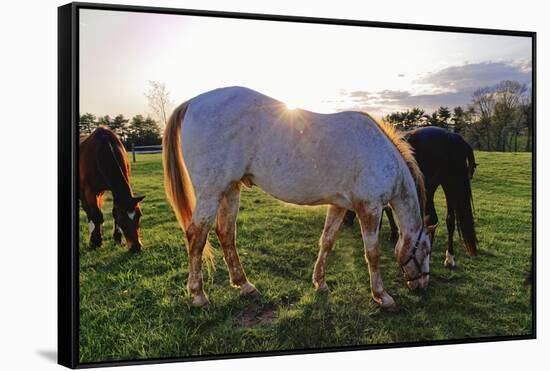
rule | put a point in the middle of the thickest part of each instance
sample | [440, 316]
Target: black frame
[68, 206]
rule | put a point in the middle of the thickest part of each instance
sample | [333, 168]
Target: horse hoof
[390, 308]
[117, 238]
[413, 285]
[449, 265]
[94, 245]
[135, 249]
[321, 287]
[249, 289]
[387, 303]
[449, 261]
[200, 301]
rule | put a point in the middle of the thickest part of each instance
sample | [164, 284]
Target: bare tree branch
[159, 100]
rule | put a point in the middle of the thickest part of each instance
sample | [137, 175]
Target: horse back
[101, 155]
[297, 156]
[437, 151]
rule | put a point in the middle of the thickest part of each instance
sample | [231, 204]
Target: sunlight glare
[290, 106]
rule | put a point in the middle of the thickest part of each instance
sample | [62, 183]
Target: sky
[322, 68]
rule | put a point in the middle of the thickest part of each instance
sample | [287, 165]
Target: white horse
[226, 137]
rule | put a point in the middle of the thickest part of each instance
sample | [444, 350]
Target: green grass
[135, 306]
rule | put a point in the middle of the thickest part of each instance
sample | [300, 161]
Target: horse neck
[407, 210]
[122, 192]
[113, 168]
[120, 186]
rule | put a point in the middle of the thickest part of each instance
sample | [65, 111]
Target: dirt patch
[256, 314]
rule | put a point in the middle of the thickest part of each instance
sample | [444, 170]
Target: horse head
[128, 217]
[413, 255]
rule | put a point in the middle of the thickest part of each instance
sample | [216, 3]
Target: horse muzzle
[136, 246]
[420, 283]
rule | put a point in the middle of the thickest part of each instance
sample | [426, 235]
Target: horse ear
[138, 199]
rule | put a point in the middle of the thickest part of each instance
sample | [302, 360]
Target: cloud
[390, 95]
[433, 101]
[384, 96]
[360, 94]
[399, 101]
[477, 75]
[452, 86]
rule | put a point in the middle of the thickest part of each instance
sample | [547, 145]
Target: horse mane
[407, 153]
[113, 164]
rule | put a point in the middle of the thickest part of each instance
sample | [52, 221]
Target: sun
[290, 106]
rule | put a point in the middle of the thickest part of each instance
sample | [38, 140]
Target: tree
[87, 123]
[433, 119]
[527, 113]
[119, 125]
[104, 121]
[459, 120]
[439, 118]
[416, 116]
[159, 100]
[499, 118]
[406, 120]
[144, 131]
[508, 118]
[483, 102]
[444, 116]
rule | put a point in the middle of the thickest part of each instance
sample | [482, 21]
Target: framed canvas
[236, 185]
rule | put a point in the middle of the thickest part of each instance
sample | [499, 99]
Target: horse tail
[177, 183]
[462, 197]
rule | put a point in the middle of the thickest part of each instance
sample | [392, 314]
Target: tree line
[498, 118]
[138, 130]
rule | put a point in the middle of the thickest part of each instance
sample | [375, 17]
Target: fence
[144, 150]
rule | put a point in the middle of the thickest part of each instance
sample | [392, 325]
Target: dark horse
[445, 159]
[104, 166]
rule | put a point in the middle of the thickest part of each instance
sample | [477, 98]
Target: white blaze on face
[131, 214]
[91, 226]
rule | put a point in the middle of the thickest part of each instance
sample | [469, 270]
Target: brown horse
[104, 166]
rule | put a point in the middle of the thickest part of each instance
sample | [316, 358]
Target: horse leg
[431, 214]
[334, 218]
[431, 219]
[226, 229]
[92, 204]
[394, 230]
[449, 254]
[197, 234]
[368, 218]
[117, 232]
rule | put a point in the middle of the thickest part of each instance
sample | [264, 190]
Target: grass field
[135, 306]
